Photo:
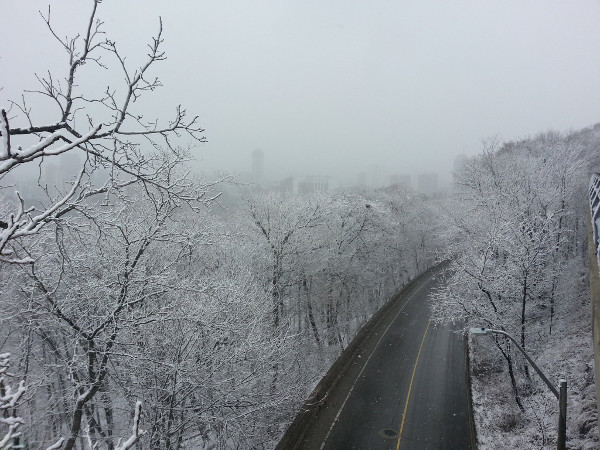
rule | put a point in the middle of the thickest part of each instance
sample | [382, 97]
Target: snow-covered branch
[136, 432]
[9, 400]
[113, 148]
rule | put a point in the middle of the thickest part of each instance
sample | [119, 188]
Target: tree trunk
[513, 382]
[511, 372]
[311, 320]
[523, 320]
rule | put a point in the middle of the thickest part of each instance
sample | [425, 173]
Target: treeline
[516, 233]
[220, 327]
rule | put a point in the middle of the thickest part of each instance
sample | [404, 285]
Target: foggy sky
[330, 87]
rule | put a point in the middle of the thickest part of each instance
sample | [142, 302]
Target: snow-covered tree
[280, 222]
[93, 244]
[115, 143]
[511, 230]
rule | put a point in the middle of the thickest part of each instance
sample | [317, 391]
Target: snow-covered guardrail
[594, 264]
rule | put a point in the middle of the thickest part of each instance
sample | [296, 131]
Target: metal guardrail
[594, 264]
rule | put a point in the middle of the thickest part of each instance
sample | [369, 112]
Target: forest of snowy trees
[135, 307]
[220, 327]
[515, 230]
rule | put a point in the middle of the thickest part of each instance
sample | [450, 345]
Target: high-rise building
[306, 185]
[428, 183]
[258, 170]
[313, 185]
[55, 178]
[60, 171]
[400, 180]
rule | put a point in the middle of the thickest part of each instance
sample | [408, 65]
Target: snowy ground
[566, 353]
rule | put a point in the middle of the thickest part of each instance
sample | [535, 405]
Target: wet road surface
[406, 388]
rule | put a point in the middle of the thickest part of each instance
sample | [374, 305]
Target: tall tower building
[258, 169]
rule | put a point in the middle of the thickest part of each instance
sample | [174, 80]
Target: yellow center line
[337, 416]
[410, 386]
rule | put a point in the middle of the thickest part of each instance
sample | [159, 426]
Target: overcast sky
[339, 86]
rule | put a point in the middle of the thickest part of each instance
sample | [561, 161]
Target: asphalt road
[406, 388]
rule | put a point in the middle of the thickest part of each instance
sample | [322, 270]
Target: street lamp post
[560, 393]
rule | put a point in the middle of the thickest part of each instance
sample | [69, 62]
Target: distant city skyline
[333, 87]
[314, 182]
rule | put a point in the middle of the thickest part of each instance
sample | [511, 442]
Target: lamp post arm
[533, 364]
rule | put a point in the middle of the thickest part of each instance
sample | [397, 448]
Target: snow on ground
[566, 353]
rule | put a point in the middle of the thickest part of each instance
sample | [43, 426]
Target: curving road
[405, 389]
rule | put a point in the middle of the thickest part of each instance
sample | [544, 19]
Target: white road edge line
[367, 361]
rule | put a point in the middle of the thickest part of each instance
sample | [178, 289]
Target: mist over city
[343, 88]
[312, 224]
